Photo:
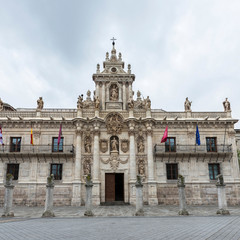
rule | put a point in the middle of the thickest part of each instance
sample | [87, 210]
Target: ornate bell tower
[113, 83]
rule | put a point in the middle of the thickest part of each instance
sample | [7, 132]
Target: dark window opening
[172, 171]
[211, 144]
[55, 146]
[14, 170]
[214, 170]
[170, 144]
[15, 144]
[56, 170]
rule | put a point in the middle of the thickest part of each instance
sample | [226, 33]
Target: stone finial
[119, 57]
[107, 56]
[129, 68]
[98, 68]
[226, 105]
[138, 94]
[50, 181]
[187, 105]
[40, 103]
[80, 102]
[9, 179]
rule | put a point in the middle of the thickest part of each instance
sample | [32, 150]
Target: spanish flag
[31, 137]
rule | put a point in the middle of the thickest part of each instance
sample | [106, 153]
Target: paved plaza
[118, 222]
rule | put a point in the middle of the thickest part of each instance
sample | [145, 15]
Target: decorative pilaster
[76, 199]
[103, 96]
[96, 166]
[132, 164]
[48, 211]
[152, 184]
[124, 96]
[8, 198]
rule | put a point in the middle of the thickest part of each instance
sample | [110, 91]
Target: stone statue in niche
[80, 102]
[130, 103]
[114, 144]
[140, 145]
[187, 105]
[141, 167]
[226, 105]
[87, 167]
[114, 93]
[97, 102]
[40, 103]
[87, 144]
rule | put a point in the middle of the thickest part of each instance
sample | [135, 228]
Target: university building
[115, 135]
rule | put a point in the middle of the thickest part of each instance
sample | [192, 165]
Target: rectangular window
[214, 170]
[55, 146]
[172, 171]
[211, 144]
[14, 170]
[170, 144]
[15, 144]
[56, 170]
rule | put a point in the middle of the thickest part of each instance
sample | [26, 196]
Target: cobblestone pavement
[117, 222]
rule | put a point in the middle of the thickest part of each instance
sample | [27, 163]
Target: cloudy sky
[177, 49]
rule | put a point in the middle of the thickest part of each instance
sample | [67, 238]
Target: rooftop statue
[187, 105]
[40, 103]
[226, 105]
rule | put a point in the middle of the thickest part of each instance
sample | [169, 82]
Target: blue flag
[197, 136]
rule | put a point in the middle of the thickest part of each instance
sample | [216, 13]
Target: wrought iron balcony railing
[37, 149]
[161, 148]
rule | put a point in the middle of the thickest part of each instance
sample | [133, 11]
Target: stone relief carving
[114, 161]
[141, 166]
[114, 144]
[88, 144]
[114, 92]
[130, 103]
[226, 105]
[140, 144]
[87, 165]
[125, 145]
[97, 102]
[147, 103]
[88, 102]
[103, 145]
[114, 123]
[187, 105]
[40, 103]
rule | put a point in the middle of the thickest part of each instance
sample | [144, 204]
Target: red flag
[164, 138]
[1, 138]
[59, 134]
[31, 137]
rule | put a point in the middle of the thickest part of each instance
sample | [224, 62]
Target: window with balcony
[15, 144]
[172, 171]
[55, 146]
[211, 143]
[14, 170]
[214, 170]
[170, 144]
[56, 170]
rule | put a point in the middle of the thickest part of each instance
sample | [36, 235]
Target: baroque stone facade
[114, 137]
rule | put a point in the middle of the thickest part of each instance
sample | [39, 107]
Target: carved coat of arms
[124, 146]
[103, 145]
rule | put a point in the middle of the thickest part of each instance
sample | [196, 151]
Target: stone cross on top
[113, 39]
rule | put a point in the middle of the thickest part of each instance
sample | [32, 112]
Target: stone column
[97, 89]
[124, 96]
[152, 184]
[103, 95]
[139, 197]
[182, 199]
[130, 90]
[48, 211]
[88, 202]
[8, 198]
[222, 202]
[96, 166]
[76, 199]
[132, 164]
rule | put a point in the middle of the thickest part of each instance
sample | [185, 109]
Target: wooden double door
[114, 187]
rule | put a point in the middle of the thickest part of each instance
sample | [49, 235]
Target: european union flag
[197, 136]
